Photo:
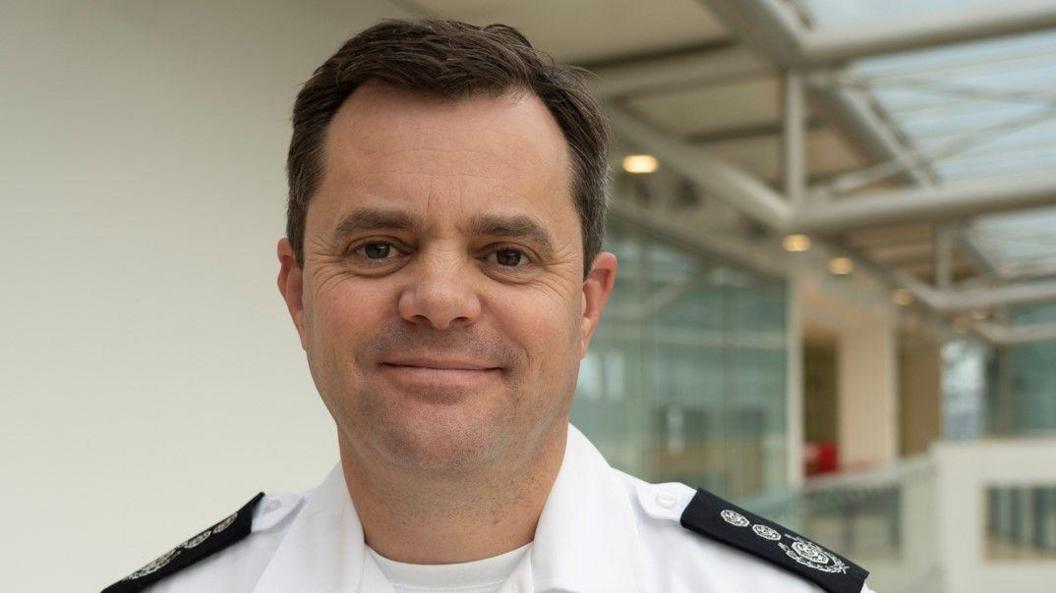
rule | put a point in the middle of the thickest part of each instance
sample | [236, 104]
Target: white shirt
[478, 576]
[600, 531]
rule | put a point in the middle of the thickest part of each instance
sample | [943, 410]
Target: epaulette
[718, 519]
[227, 532]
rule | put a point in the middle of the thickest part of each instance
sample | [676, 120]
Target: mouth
[439, 372]
[441, 364]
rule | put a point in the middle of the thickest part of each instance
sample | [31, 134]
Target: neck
[443, 519]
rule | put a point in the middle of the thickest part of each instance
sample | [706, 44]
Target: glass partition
[1033, 385]
[685, 379]
[1022, 401]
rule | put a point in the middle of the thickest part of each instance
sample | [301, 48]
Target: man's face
[442, 303]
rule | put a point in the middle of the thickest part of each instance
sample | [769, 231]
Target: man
[444, 273]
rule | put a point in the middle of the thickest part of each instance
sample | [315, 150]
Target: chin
[442, 444]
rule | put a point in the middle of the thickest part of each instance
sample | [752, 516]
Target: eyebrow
[518, 226]
[372, 219]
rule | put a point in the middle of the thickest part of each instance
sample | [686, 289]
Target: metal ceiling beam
[909, 252]
[713, 175]
[775, 32]
[856, 115]
[730, 247]
[916, 234]
[782, 37]
[949, 202]
[765, 26]
[944, 243]
[953, 301]
[794, 138]
[640, 77]
[1008, 336]
[758, 201]
[764, 131]
[985, 298]
[975, 299]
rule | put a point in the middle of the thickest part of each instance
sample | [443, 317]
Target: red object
[821, 458]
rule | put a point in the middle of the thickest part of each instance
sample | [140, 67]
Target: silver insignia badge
[734, 518]
[155, 565]
[160, 562]
[225, 523]
[766, 532]
[813, 556]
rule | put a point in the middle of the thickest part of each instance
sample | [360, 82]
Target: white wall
[864, 331]
[867, 379]
[151, 379]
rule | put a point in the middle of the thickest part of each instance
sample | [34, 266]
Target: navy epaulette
[716, 518]
[217, 537]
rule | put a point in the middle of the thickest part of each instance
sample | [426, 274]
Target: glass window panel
[610, 396]
[687, 382]
[964, 389]
[1020, 522]
[1033, 385]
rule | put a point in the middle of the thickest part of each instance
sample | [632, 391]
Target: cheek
[544, 323]
[343, 316]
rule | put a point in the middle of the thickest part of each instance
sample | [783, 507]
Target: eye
[375, 253]
[376, 250]
[508, 257]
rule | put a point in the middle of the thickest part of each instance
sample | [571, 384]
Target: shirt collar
[587, 536]
[585, 541]
[324, 550]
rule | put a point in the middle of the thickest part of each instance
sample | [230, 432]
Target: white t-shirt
[478, 576]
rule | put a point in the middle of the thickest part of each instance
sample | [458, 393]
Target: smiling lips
[450, 372]
[440, 364]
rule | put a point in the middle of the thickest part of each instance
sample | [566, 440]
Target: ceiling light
[841, 266]
[640, 163]
[796, 243]
[902, 297]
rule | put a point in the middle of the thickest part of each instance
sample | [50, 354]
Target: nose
[441, 292]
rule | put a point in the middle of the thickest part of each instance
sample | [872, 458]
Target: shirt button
[272, 505]
[666, 500]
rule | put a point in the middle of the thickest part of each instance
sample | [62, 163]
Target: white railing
[968, 471]
[882, 519]
[934, 524]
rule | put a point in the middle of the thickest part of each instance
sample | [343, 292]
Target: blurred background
[836, 225]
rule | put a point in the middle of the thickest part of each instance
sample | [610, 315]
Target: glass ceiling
[1018, 244]
[974, 111]
[835, 13]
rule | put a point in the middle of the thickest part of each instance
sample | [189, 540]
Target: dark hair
[452, 60]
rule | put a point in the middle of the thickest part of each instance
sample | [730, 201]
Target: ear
[596, 289]
[292, 287]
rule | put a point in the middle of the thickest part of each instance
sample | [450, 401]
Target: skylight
[973, 111]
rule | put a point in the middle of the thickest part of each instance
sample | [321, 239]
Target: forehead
[396, 148]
